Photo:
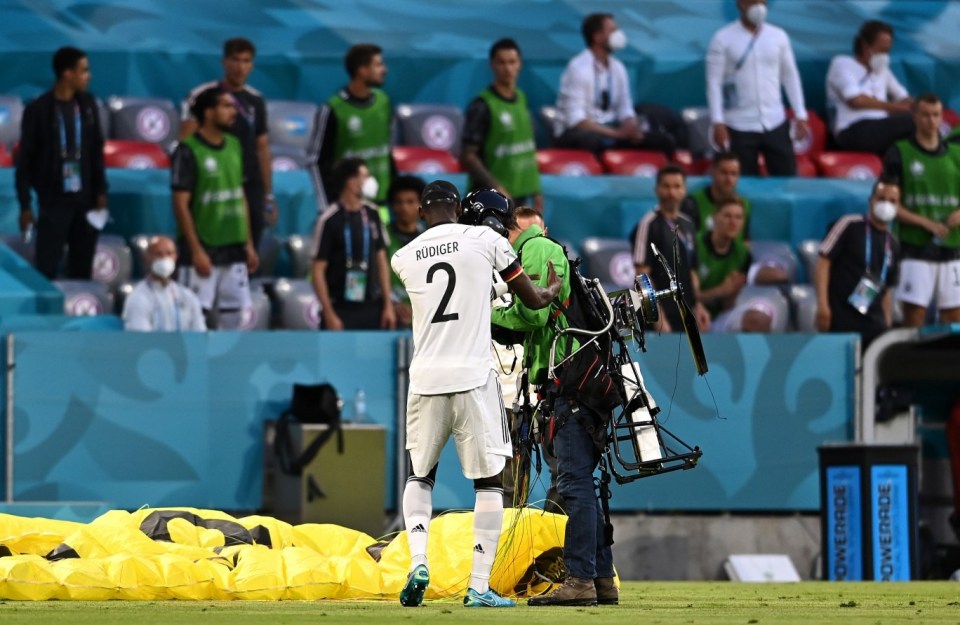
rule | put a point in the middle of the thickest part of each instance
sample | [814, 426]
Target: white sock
[487, 519]
[417, 510]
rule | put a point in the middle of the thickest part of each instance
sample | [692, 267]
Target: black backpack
[311, 404]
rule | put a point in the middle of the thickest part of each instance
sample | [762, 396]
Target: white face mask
[370, 187]
[879, 62]
[163, 267]
[757, 14]
[617, 40]
[884, 210]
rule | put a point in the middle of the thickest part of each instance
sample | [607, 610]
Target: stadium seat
[6, 159]
[287, 158]
[298, 249]
[26, 251]
[138, 245]
[296, 304]
[424, 161]
[85, 297]
[693, 166]
[803, 300]
[568, 162]
[552, 124]
[11, 112]
[113, 261]
[815, 142]
[852, 165]
[120, 295]
[572, 252]
[951, 119]
[642, 163]
[290, 124]
[103, 112]
[435, 126]
[774, 253]
[809, 251]
[269, 252]
[610, 261]
[257, 315]
[697, 120]
[153, 120]
[806, 168]
[775, 300]
[126, 154]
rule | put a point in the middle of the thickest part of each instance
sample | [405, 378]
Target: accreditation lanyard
[162, 291]
[77, 125]
[348, 238]
[247, 113]
[887, 254]
[746, 53]
[598, 93]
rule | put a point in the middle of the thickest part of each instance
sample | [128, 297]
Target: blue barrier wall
[437, 50]
[164, 420]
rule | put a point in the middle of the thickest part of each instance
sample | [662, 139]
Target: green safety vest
[364, 132]
[931, 188]
[714, 269]
[510, 152]
[216, 203]
[706, 209]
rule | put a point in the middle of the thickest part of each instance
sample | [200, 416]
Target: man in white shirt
[158, 303]
[594, 102]
[747, 63]
[871, 109]
[448, 274]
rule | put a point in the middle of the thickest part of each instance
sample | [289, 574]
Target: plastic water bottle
[360, 406]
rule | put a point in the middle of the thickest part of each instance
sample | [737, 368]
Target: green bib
[364, 132]
[713, 268]
[931, 188]
[706, 209]
[510, 152]
[217, 206]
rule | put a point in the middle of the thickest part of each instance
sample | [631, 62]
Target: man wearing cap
[448, 274]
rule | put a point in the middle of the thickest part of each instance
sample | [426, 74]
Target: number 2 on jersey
[441, 315]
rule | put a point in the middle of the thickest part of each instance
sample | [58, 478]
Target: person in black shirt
[250, 127]
[351, 275]
[61, 159]
[858, 267]
[663, 227]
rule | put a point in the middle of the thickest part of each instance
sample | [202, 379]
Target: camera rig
[638, 445]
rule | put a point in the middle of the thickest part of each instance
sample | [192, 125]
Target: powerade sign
[890, 517]
[844, 524]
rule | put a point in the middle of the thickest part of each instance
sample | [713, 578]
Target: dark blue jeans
[584, 553]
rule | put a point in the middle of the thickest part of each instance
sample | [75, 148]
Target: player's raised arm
[533, 296]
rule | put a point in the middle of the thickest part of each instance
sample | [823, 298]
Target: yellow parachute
[192, 554]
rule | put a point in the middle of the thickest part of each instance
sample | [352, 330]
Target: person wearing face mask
[747, 63]
[872, 108]
[350, 272]
[158, 303]
[594, 101]
[858, 267]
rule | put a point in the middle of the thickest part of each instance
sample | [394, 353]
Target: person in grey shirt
[158, 303]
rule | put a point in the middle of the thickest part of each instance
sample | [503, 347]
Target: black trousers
[775, 145]
[60, 224]
[876, 135]
[256, 200]
[577, 139]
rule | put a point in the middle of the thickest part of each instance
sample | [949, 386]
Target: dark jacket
[39, 164]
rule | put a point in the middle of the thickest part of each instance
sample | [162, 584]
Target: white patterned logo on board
[248, 318]
[153, 124]
[430, 166]
[645, 170]
[106, 265]
[311, 313]
[622, 271]
[575, 169]
[438, 132]
[284, 163]
[139, 161]
[860, 172]
[83, 305]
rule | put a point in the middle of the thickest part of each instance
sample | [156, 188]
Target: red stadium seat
[806, 168]
[568, 162]
[643, 163]
[134, 155]
[816, 141]
[854, 165]
[951, 119]
[693, 167]
[6, 160]
[420, 160]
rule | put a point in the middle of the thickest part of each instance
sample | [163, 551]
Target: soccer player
[448, 274]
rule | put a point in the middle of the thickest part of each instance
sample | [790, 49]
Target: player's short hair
[504, 44]
[405, 183]
[724, 156]
[66, 58]
[439, 192]
[591, 25]
[238, 45]
[344, 170]
[360, 55]
[206, 99]
[927, 98]
[731, 200]
[670, 169]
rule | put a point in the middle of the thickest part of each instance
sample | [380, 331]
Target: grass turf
[659, 603]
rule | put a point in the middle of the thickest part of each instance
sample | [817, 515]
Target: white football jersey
[448, 274]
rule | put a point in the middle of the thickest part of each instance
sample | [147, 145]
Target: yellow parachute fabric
[111, 558]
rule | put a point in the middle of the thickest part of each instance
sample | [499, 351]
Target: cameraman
[587, 557]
